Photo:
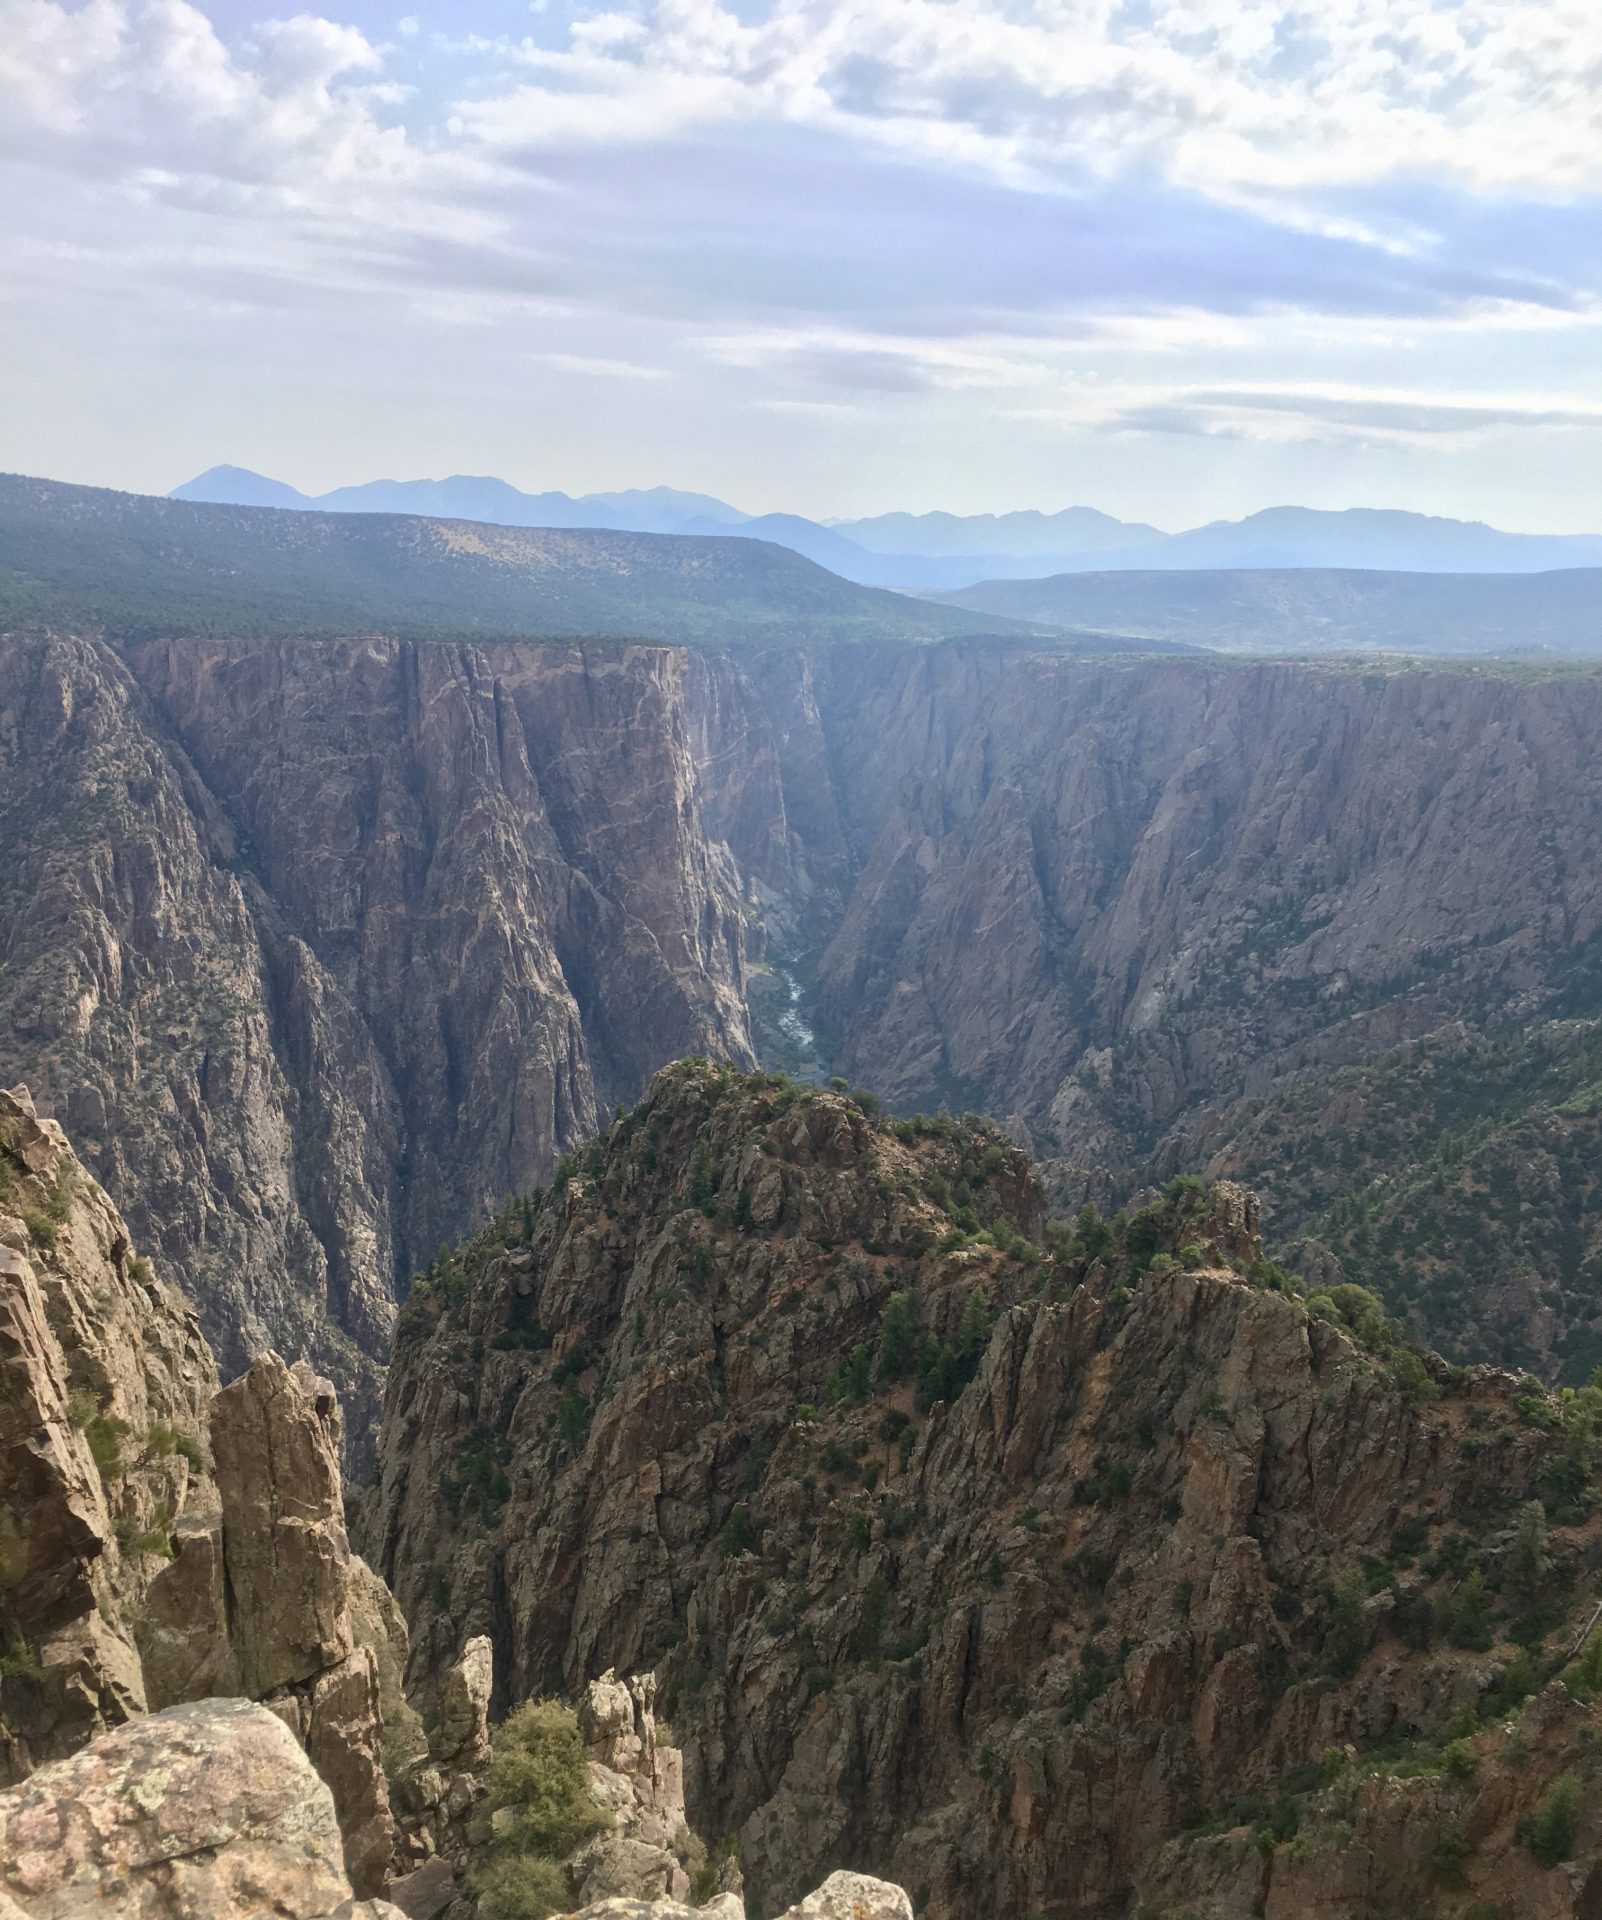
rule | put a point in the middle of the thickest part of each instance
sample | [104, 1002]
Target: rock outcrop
[105, 1387]
[1008, 1564]
[639, 1784]
[162, 1540]
[203, 1812]
[843, 1896]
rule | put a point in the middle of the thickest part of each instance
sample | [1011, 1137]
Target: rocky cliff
[319, 951]
[1049, 1573]
[1172, 915]
[321, 948]
[163, 1540]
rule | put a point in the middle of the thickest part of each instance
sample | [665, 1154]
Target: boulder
[205, 1811]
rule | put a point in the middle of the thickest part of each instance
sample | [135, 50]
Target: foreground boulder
[203, 1812]
[843, 1896]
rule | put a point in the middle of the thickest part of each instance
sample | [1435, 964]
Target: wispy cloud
[603, 369]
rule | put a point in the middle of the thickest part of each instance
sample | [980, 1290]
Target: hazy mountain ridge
[945, 552]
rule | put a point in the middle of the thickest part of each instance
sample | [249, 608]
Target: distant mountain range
[943, 552]
[1314, 609]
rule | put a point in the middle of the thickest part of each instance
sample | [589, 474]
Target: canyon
[321, 949]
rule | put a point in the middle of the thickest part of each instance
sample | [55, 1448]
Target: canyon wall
[321, 949]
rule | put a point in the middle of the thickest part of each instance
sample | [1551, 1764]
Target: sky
[1176, 259]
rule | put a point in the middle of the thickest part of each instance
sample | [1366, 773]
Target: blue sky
[1178, 259]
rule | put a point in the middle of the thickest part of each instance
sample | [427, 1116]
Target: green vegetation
[104, 1433]
[1551, 1830]
[80, 556]
[1452, 1165]
[18, 1662]
[163, 1441]
[538, 1807]
[479, 1474]
[155, 1539]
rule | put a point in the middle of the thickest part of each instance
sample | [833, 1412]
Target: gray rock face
[209, 1811]
[321, 950]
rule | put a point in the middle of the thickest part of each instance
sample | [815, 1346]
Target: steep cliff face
[163, 1540]
[321, 950]
[105, 1388]
[1017, 1575]
[1092, 894]
[1161, 915]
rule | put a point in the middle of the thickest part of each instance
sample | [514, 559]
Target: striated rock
[321, 950]
[202, 1812]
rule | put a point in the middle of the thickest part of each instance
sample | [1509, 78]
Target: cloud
[1099, 218]
[603, 369]
[1331, 413]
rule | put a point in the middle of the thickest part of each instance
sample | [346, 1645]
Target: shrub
[572, 1416]
[1347, 1639]
[1555, 1822]
[849, 1380]
[17, 1662]
[155, 1539]
[105, 1433]
[59, 1203]
[520, 1886]
[1587, 1675]
[161, 1441]
[1451, 1852]
[1459, 1760]
[41, 1229]
[738, 1535]
[1468, 1615]
[539, 1785]
[898, 1337]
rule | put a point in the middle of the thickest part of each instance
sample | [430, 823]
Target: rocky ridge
[201, 1686]
[1044, 1572]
